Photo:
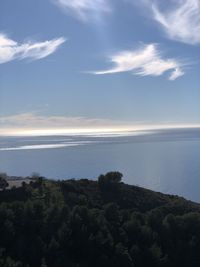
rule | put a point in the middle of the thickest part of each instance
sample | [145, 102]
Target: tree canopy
[3, 181]
[75, 223]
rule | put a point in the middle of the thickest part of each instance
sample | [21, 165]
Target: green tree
[122, 255]
[109, 180]
[3, 181]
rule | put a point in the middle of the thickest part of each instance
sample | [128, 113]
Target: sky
[90, 65]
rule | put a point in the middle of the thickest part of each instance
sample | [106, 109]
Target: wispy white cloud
[176, 74]
[83, 8]
[146, 61]
[12, 50]
[181, 21]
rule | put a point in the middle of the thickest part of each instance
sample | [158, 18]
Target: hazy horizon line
[94, 131]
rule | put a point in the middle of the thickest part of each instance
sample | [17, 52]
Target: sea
[166, 160]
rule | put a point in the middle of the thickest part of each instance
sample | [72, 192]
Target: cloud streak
[82, 8]
[12, 50]
[35, 121]
[146, 61]
[35, 124]
[181, 21]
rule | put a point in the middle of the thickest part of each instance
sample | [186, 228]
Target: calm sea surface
[166, 161]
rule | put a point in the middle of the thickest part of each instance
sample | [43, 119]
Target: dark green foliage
[93, 224]
[3, 182]
[109, 181]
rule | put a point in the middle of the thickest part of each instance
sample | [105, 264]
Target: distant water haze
[165, 160]
[137, 129]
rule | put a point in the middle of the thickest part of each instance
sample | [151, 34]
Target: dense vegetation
[96, 223]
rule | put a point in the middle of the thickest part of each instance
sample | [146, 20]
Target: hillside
[83, 223]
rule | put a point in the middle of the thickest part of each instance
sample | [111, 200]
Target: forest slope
[83, 223]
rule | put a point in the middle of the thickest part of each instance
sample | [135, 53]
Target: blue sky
[99, 64]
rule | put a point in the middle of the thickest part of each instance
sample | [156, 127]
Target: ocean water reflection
[165, 160]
